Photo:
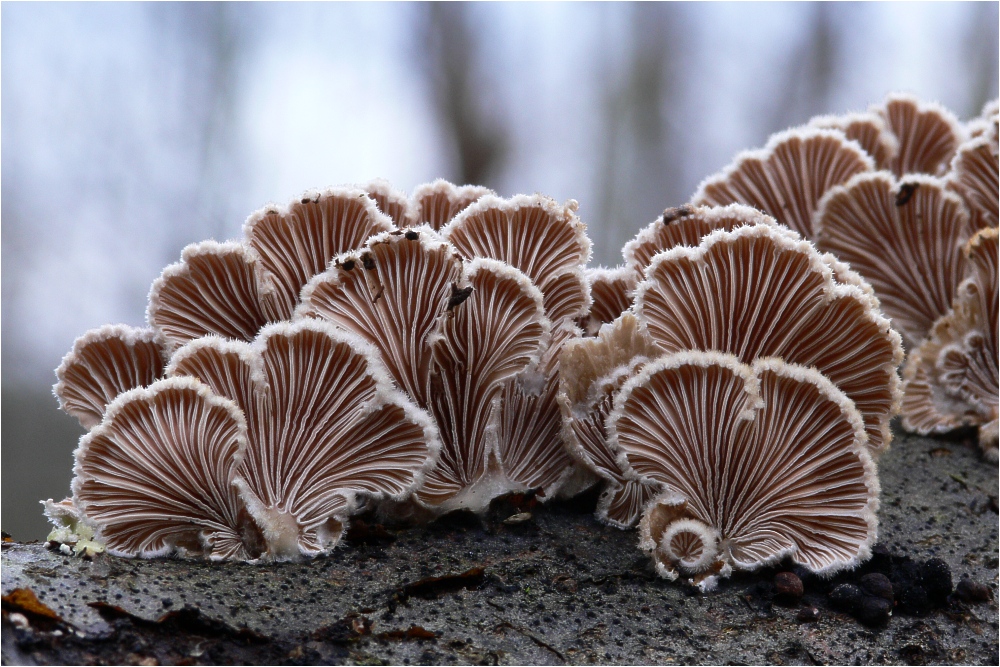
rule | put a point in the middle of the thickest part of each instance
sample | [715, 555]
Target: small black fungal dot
[348, 265]
[906, 191]
[367, 261]
[412, 235]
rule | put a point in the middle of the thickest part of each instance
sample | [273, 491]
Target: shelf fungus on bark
[103, 363]
[611, 292]
[762, 291]
[951, 379]
[547, 242]
[434, 204]
[974, 175]
[905, 237]
[755, 463]
[927, 134]
[233, 289]
[251, 450]
[686, 225]
[591, 371]
[869, 129]
[787, 178]
[452, 333]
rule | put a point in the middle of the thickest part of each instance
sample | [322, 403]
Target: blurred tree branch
[448, 55]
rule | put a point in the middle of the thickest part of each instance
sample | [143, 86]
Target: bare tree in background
[807, 86]
[642, 148]
[448, 55]
[981, 54]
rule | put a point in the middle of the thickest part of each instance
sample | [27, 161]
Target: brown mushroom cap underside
[761, 291]
[905, 238]
[770, 458]
[591, 371]
[392, 293]
[453, 335]
[952, 378]
[325, 425]
[496, 334]
[103, 363]
[536, 235]
[611, 292]
[433, 204]
[928, 134]
[686, 225]
[787, 178]
[233, 289]
[974, 176]
[868, 129]
[157, 474]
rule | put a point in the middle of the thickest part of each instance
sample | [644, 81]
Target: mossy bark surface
[556, 588]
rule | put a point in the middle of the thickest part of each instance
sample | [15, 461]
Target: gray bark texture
[557, 588]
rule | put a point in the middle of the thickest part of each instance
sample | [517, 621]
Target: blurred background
[131, 130]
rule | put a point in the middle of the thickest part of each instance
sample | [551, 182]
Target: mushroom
[686, 225]
[434, 204]
[452, 334]
[591, 371]
[951, 379]
[905, 238]
[252, 450]
[156, 476]
[974, 176]
[756, 463]
[548, 242]
[103, 363]
[927, 134]
[761, 291]
[787, 178]
[611, 292]
[869, 129]
[232, 289]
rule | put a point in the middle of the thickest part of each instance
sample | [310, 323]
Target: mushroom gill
[869, 129]
[952, 378]
[103, 363]
[251, 450]
[974, 176]
[927, 134]
[611, 292]
[787, 178]
[233, 289]
[434, 204]
[452, 334]
[549, 244]
[591, 371]
[905, 238]
[756, 463]
[761, 291]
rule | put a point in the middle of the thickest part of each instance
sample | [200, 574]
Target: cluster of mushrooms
[730, 386]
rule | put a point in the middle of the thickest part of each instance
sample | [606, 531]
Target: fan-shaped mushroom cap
[927, 133]
[761, 291]
[951, 379]
[905, 238]
[157, 474]
[325, 425]
[536, 235]
[787, 178]
[232, 289]
[868, 129]
[391, 201]
[686, 225]
[611, 292]
[591, 370]
[493, 336]
[453, 334]
[437, 203]
[392, 293]
[757, 463]
[103, 363]
[974, 175]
